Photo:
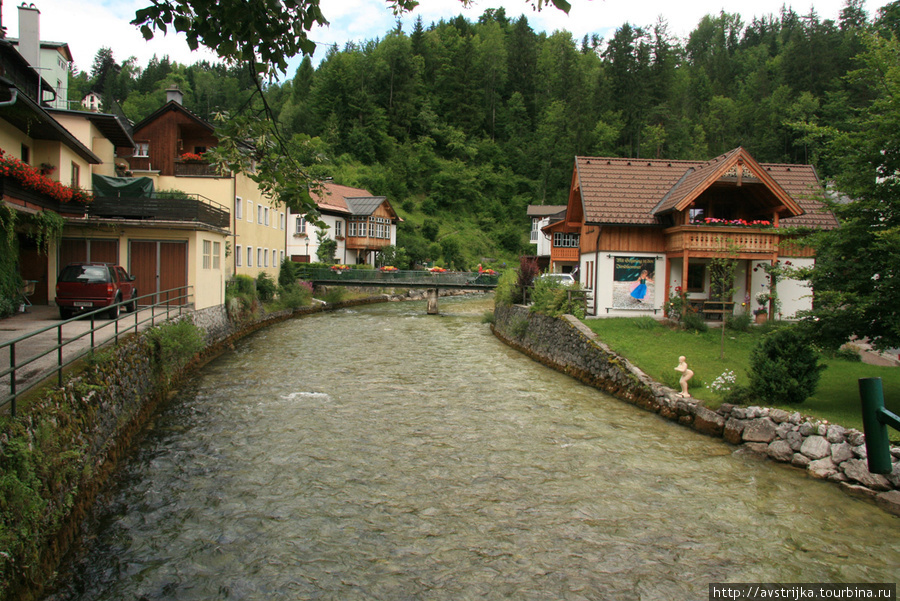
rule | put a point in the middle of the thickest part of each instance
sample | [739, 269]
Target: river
[381, 453]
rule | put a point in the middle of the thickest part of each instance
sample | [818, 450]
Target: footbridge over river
[433, 281]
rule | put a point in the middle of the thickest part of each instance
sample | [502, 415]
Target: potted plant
[762, 313]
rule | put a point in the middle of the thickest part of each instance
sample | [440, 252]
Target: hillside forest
[463, 124]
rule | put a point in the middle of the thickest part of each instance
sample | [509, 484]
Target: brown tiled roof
[802, 183]
[638, 191]
[336, 198]
[332, 197]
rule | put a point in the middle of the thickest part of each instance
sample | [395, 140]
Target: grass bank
[655, 347]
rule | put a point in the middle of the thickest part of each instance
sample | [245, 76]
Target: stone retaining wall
[825, 451]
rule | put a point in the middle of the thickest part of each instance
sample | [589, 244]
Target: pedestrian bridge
[431, 280]
[399, 278]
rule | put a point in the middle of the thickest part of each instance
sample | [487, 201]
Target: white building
[360, 223]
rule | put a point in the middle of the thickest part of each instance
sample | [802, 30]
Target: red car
[89, 286]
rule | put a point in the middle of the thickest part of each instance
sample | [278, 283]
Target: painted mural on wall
[633, 282]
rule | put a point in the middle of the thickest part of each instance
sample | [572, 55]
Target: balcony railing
[195, 170]
[564, 253]
[701, 238]
[161, 207]
[364, 242]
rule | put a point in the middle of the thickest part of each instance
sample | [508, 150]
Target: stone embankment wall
[825, 451]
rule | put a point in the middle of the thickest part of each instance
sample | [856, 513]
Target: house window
[238, 208]
[249, 211]
[696, 277]
[259, 213]
[266, 215]
[238, 255]
[216, 255]
[199, 149]
[281, 257]
[207, 254]
[564, 240]
[337, 228]
[281, 221]
[265, 257]
[249, 256]
[300, 225]
[76, 175]
[534, 230]
[259, 257]
[26, 154]
[142, 149]
[351, 228]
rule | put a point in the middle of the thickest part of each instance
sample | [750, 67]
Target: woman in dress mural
[640, 290]
[633, 286]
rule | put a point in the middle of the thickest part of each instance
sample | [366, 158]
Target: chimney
[30, 34]
[175, 94]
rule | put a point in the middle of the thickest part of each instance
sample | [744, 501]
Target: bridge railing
[417, 278]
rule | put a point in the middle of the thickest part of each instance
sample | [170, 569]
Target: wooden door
[173, 270]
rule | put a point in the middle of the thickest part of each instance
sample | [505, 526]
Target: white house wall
[795, 295]
[604, 287]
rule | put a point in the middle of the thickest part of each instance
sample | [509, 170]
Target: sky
[88, 25]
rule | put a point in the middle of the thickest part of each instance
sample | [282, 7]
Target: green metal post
[875, 420]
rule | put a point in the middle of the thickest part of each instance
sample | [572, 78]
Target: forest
[463, 124]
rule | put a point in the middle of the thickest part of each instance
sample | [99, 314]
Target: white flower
[724, 382]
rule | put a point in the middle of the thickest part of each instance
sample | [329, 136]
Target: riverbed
[381, 453]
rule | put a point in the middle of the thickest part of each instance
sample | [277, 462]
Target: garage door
[159, 267]
[78, 250]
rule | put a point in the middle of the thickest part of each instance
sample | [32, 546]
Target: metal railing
[399, 278]
[176, 299]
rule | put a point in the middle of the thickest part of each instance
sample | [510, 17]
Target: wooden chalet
[636, 231]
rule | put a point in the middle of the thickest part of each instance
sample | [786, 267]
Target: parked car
[89, 286]
[565, 279]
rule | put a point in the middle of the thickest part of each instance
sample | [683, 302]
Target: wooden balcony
[564, 254]
[702, 240]
[366, 243]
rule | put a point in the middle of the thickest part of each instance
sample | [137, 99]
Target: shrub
[784, 367]
[742, 322]
[693, 321]
[553, 299]
[287, 273]
[265, 287]
[333, 295]
[243, 284]
[175, 343]
[507, 292]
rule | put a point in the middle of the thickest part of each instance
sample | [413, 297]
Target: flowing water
[381, 453]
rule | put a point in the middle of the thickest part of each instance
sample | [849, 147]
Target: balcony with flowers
[30, 186]
[711, 235]
[191, 164]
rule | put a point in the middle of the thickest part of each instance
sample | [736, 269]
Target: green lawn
[655, 348]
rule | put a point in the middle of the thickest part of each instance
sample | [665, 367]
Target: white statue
[686, 374]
